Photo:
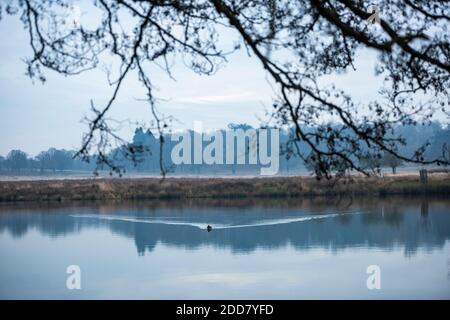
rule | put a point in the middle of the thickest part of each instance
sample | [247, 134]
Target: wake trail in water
[200, 225]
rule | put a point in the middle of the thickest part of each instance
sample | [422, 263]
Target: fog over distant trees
[60, 160]
[52, 160]
[17, 160]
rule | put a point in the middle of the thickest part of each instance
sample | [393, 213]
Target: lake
[256, 249]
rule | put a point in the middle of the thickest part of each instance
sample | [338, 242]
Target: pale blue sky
[34, 117]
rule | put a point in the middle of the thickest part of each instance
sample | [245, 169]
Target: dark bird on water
[209, 228]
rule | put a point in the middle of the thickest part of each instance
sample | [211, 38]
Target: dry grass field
[189, 188]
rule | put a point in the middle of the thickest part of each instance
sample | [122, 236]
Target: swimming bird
[209, 228]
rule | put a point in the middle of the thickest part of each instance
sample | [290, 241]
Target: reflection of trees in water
[448, 268]
[304, 203]
[391, 216]
[395, 226]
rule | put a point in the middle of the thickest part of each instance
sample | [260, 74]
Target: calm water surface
[256, 250]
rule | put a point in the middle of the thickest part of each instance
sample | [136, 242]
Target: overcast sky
[34, 117]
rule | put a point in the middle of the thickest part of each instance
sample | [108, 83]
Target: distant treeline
[52, 160]
[148, 159]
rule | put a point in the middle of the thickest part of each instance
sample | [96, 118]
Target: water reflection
[243, 227]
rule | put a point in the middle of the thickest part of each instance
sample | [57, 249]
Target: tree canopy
[297, 42]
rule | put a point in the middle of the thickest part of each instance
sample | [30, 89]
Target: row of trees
[148, 159]
[434, 135]
[53, 159]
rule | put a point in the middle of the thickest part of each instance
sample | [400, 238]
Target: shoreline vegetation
[220, 188]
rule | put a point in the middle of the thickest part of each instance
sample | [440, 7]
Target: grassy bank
[189, 188]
